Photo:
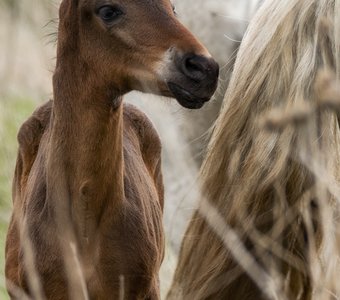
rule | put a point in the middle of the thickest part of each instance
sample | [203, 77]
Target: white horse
[268, 224]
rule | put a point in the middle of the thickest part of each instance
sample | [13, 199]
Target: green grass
[13, 112]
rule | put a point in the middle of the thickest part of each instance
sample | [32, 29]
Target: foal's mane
[256, 178]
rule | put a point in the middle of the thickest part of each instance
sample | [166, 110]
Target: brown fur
[138, 155]
[88, 191]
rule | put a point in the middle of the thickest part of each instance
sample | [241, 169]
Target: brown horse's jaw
[190, 78]
[186, 98]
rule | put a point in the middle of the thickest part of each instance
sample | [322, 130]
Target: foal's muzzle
[195, 80]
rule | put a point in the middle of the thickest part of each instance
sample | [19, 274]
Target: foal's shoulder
[145, 130]
[29, 138]
[31, 130]
[149, 143]
[148, 139]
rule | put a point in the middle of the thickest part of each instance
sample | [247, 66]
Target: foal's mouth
[186, 98]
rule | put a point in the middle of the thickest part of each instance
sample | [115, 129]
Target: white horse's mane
[272, 168]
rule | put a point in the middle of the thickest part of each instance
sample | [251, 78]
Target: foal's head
[138, 45]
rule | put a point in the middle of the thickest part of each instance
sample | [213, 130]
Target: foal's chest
[131, 244]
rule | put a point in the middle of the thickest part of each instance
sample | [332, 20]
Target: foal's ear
[68, 24]
[70, 2]
[67, 10]
[66, 7]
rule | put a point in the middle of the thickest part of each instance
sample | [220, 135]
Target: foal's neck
[86, 152]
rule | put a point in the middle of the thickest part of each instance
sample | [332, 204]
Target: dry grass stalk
[327, 91]
[278, 189]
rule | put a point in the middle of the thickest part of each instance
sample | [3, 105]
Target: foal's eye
[109, 13]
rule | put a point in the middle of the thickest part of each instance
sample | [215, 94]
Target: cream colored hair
[266, 227]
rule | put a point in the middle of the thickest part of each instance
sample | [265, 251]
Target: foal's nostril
[198, 68]
[193, 65]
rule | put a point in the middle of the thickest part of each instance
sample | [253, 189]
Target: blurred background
[27, 57]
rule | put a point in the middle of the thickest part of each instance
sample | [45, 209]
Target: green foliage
[10, 4]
